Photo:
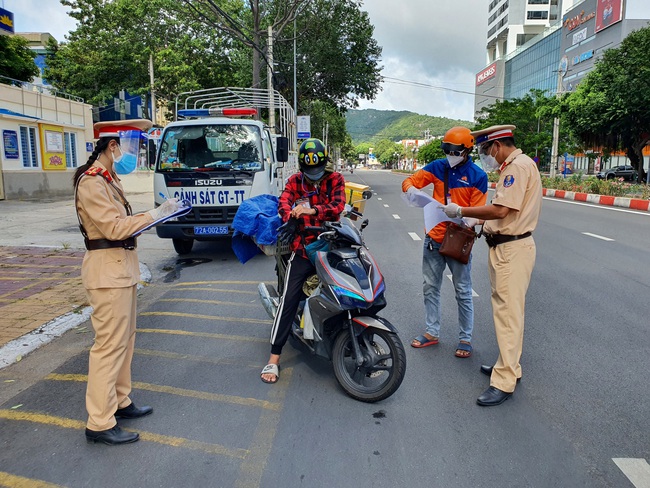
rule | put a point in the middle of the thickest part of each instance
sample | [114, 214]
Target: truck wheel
[183, 246]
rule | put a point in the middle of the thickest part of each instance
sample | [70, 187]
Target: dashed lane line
[208, 335]
[212, 302]
[13, 481]
[252, 468]
[414, 236]
[67, 423]
[396, 217]
[200, 395]
[386, 205]
[221, 282]
[636, 470]
[245, 292]
[288, 356]
[207, 317]
[597, 236]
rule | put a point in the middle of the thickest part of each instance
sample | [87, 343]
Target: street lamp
[562, 70]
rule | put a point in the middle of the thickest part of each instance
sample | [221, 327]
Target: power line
[398, 81]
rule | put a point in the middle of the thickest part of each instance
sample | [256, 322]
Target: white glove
[470, 222]
[452, 211]
[411, 190]
[167, 208]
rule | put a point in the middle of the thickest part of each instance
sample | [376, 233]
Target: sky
[440, 44]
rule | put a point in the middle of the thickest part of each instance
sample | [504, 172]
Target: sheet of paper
[433, 215]
[184, 210]
[417, 198]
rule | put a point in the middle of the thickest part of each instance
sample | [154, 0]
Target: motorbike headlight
[348, 298]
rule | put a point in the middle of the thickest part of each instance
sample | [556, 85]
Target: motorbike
[339, 319]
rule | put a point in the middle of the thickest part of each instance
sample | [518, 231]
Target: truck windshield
[228, 147]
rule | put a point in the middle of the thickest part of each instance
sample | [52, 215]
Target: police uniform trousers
[510, 265]
[109, 368]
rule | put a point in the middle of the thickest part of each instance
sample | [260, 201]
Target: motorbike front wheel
[383, 368]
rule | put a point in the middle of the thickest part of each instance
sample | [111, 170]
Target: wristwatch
[459, 212]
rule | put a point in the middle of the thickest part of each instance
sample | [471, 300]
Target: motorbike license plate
[211, 230]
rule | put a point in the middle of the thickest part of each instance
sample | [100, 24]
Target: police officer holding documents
[110, 273]
[510, 218]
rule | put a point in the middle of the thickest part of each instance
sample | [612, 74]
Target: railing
[40, 89]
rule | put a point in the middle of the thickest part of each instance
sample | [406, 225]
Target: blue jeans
[433, 267]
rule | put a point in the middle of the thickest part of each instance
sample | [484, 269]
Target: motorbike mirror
[364, 224]
[367, 194]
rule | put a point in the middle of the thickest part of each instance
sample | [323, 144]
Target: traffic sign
[304, 126]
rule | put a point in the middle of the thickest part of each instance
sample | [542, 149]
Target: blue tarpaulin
[256, 221]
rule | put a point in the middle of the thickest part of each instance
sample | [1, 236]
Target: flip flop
[424, 341]
[271, 369]
[463, 346]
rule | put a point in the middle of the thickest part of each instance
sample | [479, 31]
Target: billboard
[6, 21]
[608, 12]
[486, 74]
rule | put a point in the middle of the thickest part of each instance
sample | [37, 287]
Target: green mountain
[372, 125]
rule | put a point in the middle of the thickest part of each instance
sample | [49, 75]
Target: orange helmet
[457, 139]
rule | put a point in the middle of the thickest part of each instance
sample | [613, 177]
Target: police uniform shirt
[104, 216]
[519, 188]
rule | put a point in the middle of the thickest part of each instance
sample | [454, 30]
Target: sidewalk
[41, 250]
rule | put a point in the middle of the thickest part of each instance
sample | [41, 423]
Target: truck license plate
[211, 230]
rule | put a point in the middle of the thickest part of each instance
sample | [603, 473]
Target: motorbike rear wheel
[383, 368]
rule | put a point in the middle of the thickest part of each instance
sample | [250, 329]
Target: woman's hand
[299, 210]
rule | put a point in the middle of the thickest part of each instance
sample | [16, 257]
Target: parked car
[626, 172]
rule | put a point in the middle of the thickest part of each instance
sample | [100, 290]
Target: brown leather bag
[458, 242]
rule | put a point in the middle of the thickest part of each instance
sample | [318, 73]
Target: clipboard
[184, 210]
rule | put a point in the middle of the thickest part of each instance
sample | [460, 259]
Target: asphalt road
[203, 337]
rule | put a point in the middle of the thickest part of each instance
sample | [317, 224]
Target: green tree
[16, 59]
[386, 151]
[610, 106]
[430, 152]
[111, 47]
[533, 116]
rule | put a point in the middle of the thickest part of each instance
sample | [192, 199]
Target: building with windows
[45, 135]
[530, 47]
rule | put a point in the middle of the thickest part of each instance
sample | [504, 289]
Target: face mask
[314, 174]
[455, 160]
[125, 163]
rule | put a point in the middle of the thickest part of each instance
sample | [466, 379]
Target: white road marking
[396, 217]
[597, 236]
[385, 205]
[414, 236]
[636, 470]
[379, 198]
[474, 294]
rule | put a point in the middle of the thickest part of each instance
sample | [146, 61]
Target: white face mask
[455, 160]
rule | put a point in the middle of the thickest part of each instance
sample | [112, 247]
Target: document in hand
[184, 209]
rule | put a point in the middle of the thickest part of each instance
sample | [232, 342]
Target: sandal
[424, 341]
[273, 369]
[464, 350]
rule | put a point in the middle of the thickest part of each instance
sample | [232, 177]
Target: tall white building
[512, 23]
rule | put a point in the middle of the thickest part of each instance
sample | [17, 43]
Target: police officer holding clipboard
[110, 273]
[510, 218]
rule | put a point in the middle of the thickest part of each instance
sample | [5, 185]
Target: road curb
[623, 202]
[13, 351]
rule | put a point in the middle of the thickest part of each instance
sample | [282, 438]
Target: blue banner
[10, 139]
[6, 21]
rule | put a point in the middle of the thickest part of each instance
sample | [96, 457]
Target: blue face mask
[125, 163]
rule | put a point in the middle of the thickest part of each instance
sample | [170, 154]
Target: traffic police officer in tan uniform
[110, 272]
[510, 218]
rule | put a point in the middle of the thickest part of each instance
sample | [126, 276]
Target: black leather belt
[494, 240]
[94, 244]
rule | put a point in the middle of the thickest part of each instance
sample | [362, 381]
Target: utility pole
[295, 75]
[562, 69]
[269, 74]
[153, 91]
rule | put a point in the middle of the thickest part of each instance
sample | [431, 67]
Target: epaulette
[96, 170]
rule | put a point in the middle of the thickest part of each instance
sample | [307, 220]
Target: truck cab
[215, 162]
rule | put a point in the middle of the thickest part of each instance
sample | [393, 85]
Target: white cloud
[41, 16]
[432, 42]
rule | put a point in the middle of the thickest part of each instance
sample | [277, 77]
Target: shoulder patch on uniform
[508, 181]
[93, 171]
